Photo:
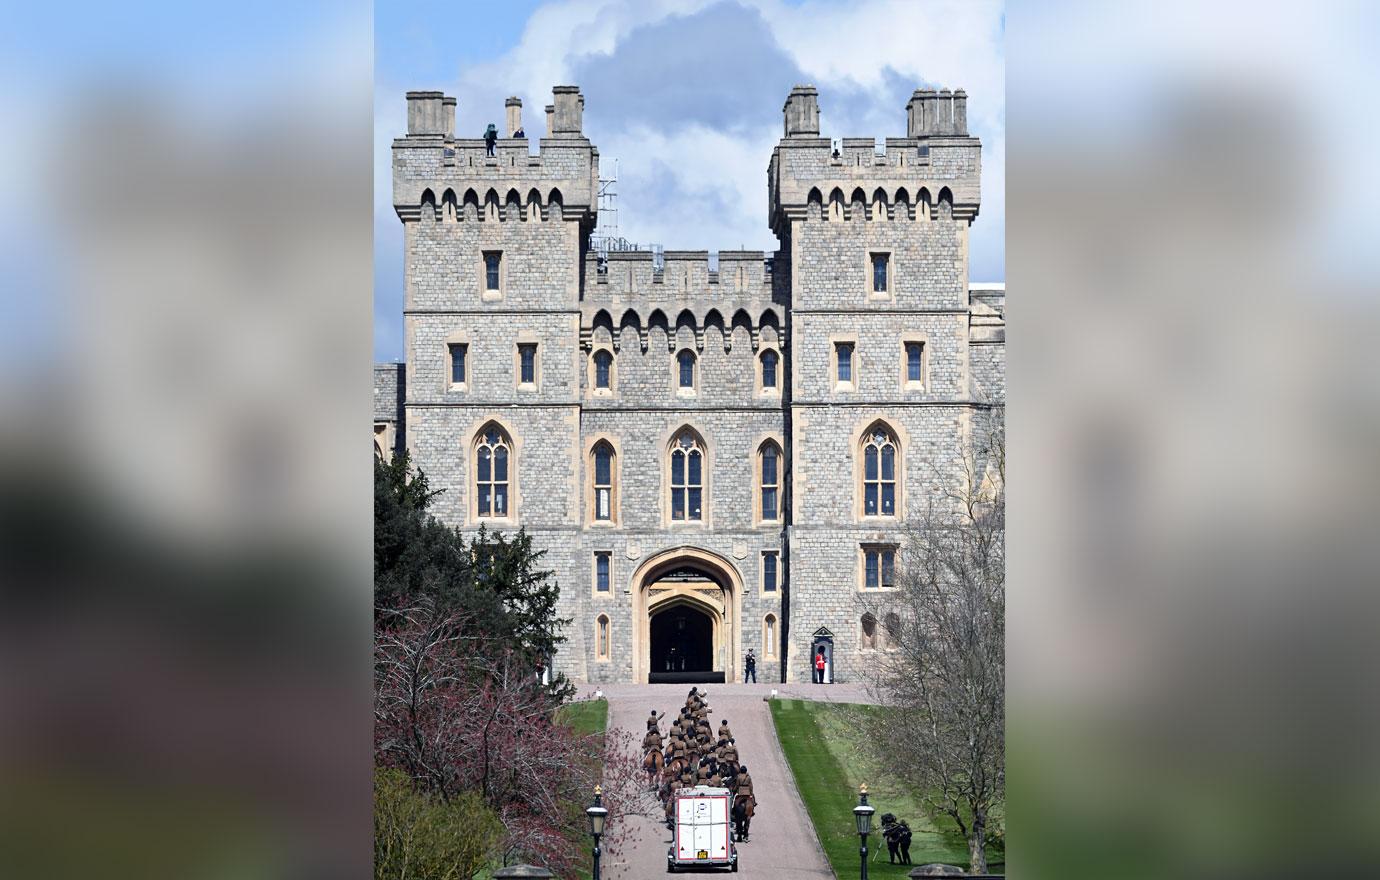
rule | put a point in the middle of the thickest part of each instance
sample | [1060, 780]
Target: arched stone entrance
[681, 639]
[686, 612]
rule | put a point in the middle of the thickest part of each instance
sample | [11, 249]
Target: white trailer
[703, 834]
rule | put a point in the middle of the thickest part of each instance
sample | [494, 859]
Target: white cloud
[687, 186]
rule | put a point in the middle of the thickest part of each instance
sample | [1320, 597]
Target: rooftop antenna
[606, 237]
[606, 233]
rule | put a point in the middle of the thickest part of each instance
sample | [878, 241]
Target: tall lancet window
[879, 474]
[492, 472]
[771, 482]
[687, 478]
[603, 482]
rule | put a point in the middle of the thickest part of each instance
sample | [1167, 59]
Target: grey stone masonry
[860, 329]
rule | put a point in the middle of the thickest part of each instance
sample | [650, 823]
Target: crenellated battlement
[431, 161]
[683, 291]
[936, 161]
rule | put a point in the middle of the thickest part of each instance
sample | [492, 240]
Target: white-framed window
[879, 566]
[771, 570]
[879, 453]
[687, 478]
[493, 271]
[603, 567]
[685, 370]
[604, 460]
[843, 363]
[493, 473]
[527, 363]
[603, 369]
[881, 274]
[914, 353]
[769, 482]
[770, 361]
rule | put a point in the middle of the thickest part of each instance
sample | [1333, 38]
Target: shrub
[418, 835]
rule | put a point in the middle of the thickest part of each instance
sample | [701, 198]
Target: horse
[743, 808]
[652, 764]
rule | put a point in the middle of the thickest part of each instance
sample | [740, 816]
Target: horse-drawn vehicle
[702, 833]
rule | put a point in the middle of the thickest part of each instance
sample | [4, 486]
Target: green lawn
[821, 746]
[586, 716]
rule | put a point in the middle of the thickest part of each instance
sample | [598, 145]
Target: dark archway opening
[682, 646]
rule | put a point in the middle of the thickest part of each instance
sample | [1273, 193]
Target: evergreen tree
[495, 579]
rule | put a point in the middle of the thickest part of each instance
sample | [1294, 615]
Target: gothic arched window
[686, 362]
[603, 481]
[493, 472]
[687, 478]
[879, 472]
[769, 481]
[769, 636]
[603, 369]
[769, 362]
[601, 637]
[869, 632]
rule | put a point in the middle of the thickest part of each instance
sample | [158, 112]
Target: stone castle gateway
[716, 455]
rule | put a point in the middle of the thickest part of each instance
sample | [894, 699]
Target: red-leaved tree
[458, 712]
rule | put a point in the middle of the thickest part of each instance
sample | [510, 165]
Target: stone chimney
[550, 120]
[513, 110]
[915, 114]
[448, 117]
[802, 112]
[946, 112]
[569, 114]
[960, 112]
[425, 114]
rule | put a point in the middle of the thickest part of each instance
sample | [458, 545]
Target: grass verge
[586, 716]
[821, 744]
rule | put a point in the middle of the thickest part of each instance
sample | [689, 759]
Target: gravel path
[783, 843]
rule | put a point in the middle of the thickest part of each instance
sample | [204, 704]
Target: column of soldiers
[692, 754]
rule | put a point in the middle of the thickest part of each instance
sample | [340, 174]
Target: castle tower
[880, 394]
[494, 247]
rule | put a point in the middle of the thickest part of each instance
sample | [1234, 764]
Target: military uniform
[730, 753]
[744, 787]
[652, 741]
[724, 732]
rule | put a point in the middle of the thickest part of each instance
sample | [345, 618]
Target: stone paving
[783, 842]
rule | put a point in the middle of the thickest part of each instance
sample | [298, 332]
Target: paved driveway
[783, 843]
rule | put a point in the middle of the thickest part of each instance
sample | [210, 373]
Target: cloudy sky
[687, 95]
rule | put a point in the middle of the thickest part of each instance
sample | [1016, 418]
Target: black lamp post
[862, 814]
[597, 814]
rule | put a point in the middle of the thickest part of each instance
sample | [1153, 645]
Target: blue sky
[687, 95]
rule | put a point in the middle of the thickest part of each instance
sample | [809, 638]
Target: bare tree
[944, 673]
[464, 714]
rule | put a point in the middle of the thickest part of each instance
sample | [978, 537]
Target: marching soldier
[724, 732]
[744, 788]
